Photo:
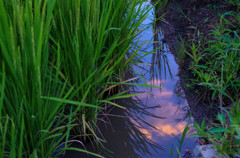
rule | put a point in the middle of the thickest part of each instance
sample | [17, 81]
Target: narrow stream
[156, 118]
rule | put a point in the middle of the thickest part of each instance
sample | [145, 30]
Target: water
[156, 118]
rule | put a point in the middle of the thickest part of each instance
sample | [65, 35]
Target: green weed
[225, 134]
[181, 141]
[217, 66]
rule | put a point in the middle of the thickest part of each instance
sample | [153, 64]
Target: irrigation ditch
[119, 78]
[164, 114]
[155, 119]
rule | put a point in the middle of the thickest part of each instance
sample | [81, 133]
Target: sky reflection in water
[172, 106]
[135, 135]
[132, 135]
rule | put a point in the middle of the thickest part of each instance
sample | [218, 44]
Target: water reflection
[155, 118]
[123, 132]
[159, 63]
[127, 138]
[159, 114]
[163, 72]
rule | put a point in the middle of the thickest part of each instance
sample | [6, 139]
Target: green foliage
[97, 37]
[216, 66]
[58, 59]
[181, 141]
[225, 135]
[30, 126]
[216, 63]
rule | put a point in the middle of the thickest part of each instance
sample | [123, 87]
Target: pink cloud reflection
[156, 94]
[157, 82]
[166, 127]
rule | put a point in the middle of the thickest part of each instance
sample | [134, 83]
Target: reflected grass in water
[159, 59]
[127, 133]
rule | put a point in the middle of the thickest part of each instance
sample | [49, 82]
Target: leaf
[195, 135]
[70, 102]
[112, 103]
[188, 85]
[135, 84]
[122, 96]
[203, 124]
[217, 130]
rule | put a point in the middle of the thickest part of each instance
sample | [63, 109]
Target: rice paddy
[64, 63]
[58, 61]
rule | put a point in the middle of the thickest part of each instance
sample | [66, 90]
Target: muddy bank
[187, 20]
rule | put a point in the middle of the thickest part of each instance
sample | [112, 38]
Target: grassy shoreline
[209, 53]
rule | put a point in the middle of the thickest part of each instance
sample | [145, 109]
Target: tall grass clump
[30, 125]
[95, 38]
[58, 61]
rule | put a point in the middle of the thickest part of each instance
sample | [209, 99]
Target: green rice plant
[33, 97]
[225, 134]
[28, 119]
[59, 59]
[95, 38]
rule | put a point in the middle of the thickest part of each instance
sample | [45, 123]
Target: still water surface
[156, 118]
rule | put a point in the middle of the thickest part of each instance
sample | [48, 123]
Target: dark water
[156, 118]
